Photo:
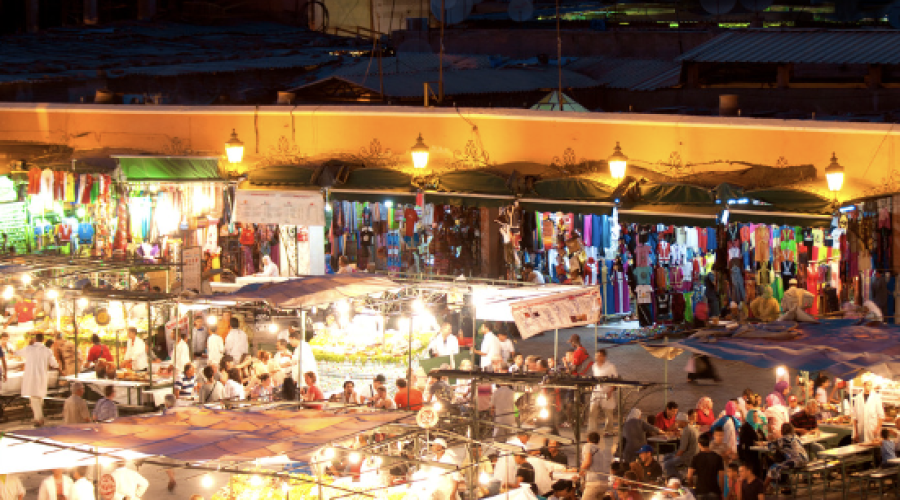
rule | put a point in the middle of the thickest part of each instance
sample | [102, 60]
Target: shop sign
[427, 417]
[561, 310]
[7, 190]
[302, 234]
[193, 268]
[288, 208]
[107, 487]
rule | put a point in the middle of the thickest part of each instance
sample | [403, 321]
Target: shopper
[135, 352]
[129, 484]
[707, 471]
[215, 349]
[96, 352]
[805, 422]
[687, 448]
[75, 409]
[603, 403]
[38, 362]
[635, 431]
[750, 486]
[106, 410]
[236, 343]
[56, 486]
[82, 488]
[594, 468]
[233, 390]
[503, 409]
[705, 415]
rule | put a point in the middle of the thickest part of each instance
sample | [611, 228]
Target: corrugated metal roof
[801, 47]
[473, 81]
[413, 63]
[628, 73]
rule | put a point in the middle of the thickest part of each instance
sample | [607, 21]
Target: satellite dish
[455, 14]
[893, 16]
[718, 7]
[756, 5]
[520, 10]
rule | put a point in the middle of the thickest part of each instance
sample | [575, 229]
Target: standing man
[868, 413]
[445, 343]
[200, 334]
[135, 352]
[11, 487]
[709, 470]
[303, 359]
[38, 362]
[687, 448]
[129, 484]
[236, 343]
[65, 354]
[186, 385]
[503, 407]
[594, 468]
[602, 403]
[182, 353]
[490, 347]
[215, 349]
[507, 348]
[581, 361]
[75, 409]
[285, 335]
[82, 488]
[224, 325]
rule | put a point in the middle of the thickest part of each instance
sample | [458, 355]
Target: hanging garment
[738, 291]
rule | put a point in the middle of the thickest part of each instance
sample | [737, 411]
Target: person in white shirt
[529, 275]
[236, 344]
[200, 335]
[507, 348]
[233, 388]
[129, 484]
[270, 270]
[285, 335]
[445, 343]
[38, 362]
[57, 485]
[215, 349]
[602, 405]
[136, 352]
[283, 361]
[381, 400]
[490, 347]
[82, 488]
[303, 358]
[182, 355]
[11, 487]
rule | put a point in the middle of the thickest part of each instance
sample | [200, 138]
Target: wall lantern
[618, 163]
[234, 148]
[420, 153]
[834, 174]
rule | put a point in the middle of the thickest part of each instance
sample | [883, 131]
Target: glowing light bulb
[273, 327]
[542, 400]
[285, 487]
[343, 307]
[52, 294]
[544, 413]
[256, 481]
[355, 458]
[329, 453]
[484, 478]
[418, 306]
[780, 371]
[26, 279]
[82, 302]
[8, 293]
[437, 406]
[206, 481]
[211, 320]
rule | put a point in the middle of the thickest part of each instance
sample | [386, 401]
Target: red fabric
[316, 393]
[405, 397]
[99, 351]
[247, 236]
[24, 311]
[705, 419]
[663, 423]
[411, 218]
[34, 180]
[65, 232]
[86, 192]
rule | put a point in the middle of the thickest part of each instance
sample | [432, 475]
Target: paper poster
[290, 208]
[193, 268]
[562, 310]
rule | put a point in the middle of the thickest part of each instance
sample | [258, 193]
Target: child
[731, 482]
[888, 447]
[720, 446]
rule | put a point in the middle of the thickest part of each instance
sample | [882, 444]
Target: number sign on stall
[279, 207]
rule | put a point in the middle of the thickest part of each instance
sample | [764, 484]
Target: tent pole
[666, 361]
[556, 344]
[619, 420]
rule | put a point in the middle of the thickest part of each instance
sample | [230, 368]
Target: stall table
[656, 441]
[807, 440]
[129, 385]
[843, 455]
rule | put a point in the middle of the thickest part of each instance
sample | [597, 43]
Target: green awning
[474, 182]
[567, 206]
[761, 215]
[792, 200]
[572, 189]
[468, 200]
[675, 215]
[282, 175]
[664, 192]
[167, 168]
[377, 179]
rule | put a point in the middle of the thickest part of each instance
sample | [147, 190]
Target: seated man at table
[687, 448]
[667, 420]
[805, 422]
[647, 469]
[106, 409]
[552, 453]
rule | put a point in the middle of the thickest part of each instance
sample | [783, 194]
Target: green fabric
[562, 206]
[338, 195]
[727, 192]
[291, 175]
[572, 189]
[169, 169]
[466, 201]
[675, 215]
[760, 216]
[378, 179]
[474, 182]
[792, 200]
[663, 192]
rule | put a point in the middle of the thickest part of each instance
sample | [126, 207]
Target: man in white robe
[38, 361]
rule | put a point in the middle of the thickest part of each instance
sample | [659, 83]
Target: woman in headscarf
[751, 432]
[730, 424]
[635, 431]
[777, 414]
[705, 415]
[782, 391]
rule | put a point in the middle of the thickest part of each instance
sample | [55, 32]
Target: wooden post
[873, 79]
[784, 75]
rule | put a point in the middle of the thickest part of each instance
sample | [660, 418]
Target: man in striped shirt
[186, 385]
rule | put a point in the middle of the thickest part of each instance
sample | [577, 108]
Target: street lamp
[234, 148]
[420, 153]
[618, 162]
[834, 174]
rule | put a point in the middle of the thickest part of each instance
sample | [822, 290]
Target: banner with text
[279, 207]
[560, 310]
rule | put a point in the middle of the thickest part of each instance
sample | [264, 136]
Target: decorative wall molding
[284, 152]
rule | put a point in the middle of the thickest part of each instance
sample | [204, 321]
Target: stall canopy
[169, 168]
[840, 347]
[307, 291]
[282, 175]
[538, 308]
[202, 435]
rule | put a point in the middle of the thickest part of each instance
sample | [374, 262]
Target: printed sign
[289, 208]
[107, 487]
[193, 268]
[427, 417]
[562, 310]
